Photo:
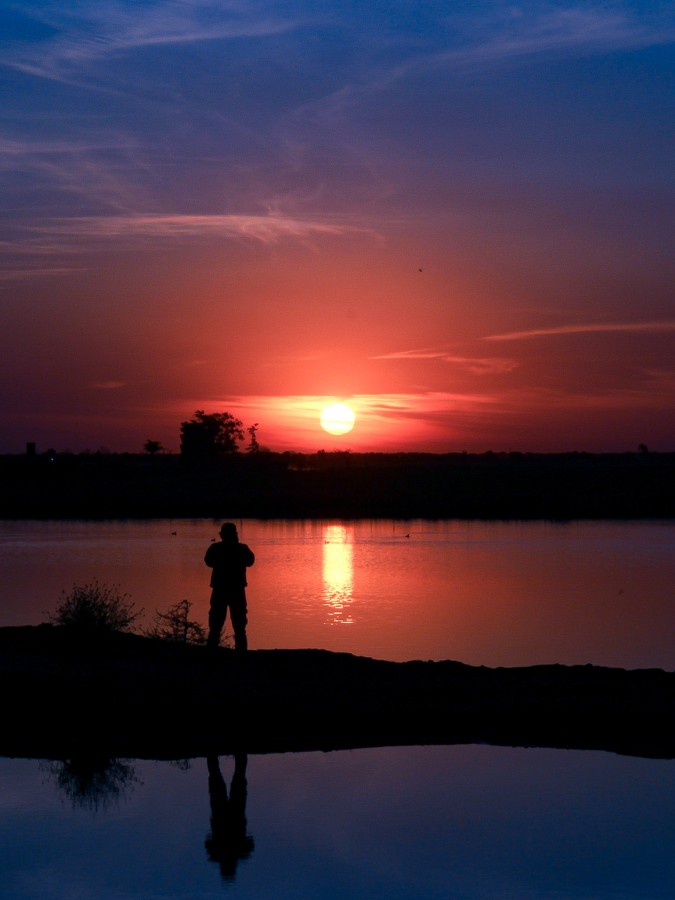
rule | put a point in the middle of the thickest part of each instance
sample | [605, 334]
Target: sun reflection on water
[338, 573]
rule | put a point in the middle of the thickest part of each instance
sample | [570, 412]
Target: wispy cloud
[476, 365]
[411, 354]
[267, 229]
[498, 34]
[412, 403]
[83, 33]
[101, 172]
[518, 32]
[659, 326]
[425, 405]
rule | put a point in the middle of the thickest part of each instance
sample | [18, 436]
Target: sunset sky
[456, 217]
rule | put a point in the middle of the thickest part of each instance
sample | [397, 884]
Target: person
[229, 560]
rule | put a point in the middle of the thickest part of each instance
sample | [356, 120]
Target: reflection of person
[228, 841]
[229, 560]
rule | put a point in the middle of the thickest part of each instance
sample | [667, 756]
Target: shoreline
[129, 696]
[489, 486]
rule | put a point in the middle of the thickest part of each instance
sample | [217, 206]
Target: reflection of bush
[92, 783]
[95, 606]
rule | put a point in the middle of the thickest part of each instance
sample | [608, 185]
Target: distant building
[31, 449]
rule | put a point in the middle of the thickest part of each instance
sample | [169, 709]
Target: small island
[126, 695]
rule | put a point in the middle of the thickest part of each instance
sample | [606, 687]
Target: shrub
[174, 625]
[95, 606]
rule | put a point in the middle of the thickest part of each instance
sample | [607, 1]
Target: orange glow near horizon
[383, 422]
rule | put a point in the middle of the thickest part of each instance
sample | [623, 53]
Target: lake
[484, 593]
[404, 822]
[423, 822]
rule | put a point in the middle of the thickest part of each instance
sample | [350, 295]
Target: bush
[95, 606]
[174, 625]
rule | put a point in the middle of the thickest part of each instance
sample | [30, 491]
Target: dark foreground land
[348, 485]
[123, 695]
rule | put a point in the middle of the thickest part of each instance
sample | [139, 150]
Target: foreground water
[415, 822]
[406, 822]
[485, 593]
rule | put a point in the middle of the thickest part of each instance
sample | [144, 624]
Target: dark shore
[554, 486]
[123, 695]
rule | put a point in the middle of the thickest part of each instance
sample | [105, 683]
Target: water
[411, 822]
[406, 822]
[494, 593]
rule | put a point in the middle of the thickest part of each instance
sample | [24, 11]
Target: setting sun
[338, 418]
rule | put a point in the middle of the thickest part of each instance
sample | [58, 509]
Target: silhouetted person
[229, 560]
[228, 841]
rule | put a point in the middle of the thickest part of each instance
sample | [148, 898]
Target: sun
[338, 418]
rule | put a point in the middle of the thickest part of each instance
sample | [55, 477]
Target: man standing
[229, 560]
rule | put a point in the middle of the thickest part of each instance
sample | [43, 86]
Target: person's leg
[217, 613]
[239, 620]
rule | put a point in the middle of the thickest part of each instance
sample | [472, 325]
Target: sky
[455, 217]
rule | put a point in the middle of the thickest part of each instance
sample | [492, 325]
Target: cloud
[485, 365]
[108, 385]
[663, 326]
[550, 28]
[97, 172]
[497, 34]
[414, 404]
[477, 366]
[426, 406]
[267, 229]
[411, 354]
[74, 37]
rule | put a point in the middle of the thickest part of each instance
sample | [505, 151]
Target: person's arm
[209, 556]
[248, 556]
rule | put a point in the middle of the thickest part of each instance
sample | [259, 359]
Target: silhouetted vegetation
[351, 485]
[253, 445]
[207, 436]
[95, 606]
[153, 447]
[175, 625]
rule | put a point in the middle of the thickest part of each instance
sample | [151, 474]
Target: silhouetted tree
[253, 445]
[153, 447]
[210, 434]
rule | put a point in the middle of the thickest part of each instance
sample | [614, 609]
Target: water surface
[488, 593]
[406, 822]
